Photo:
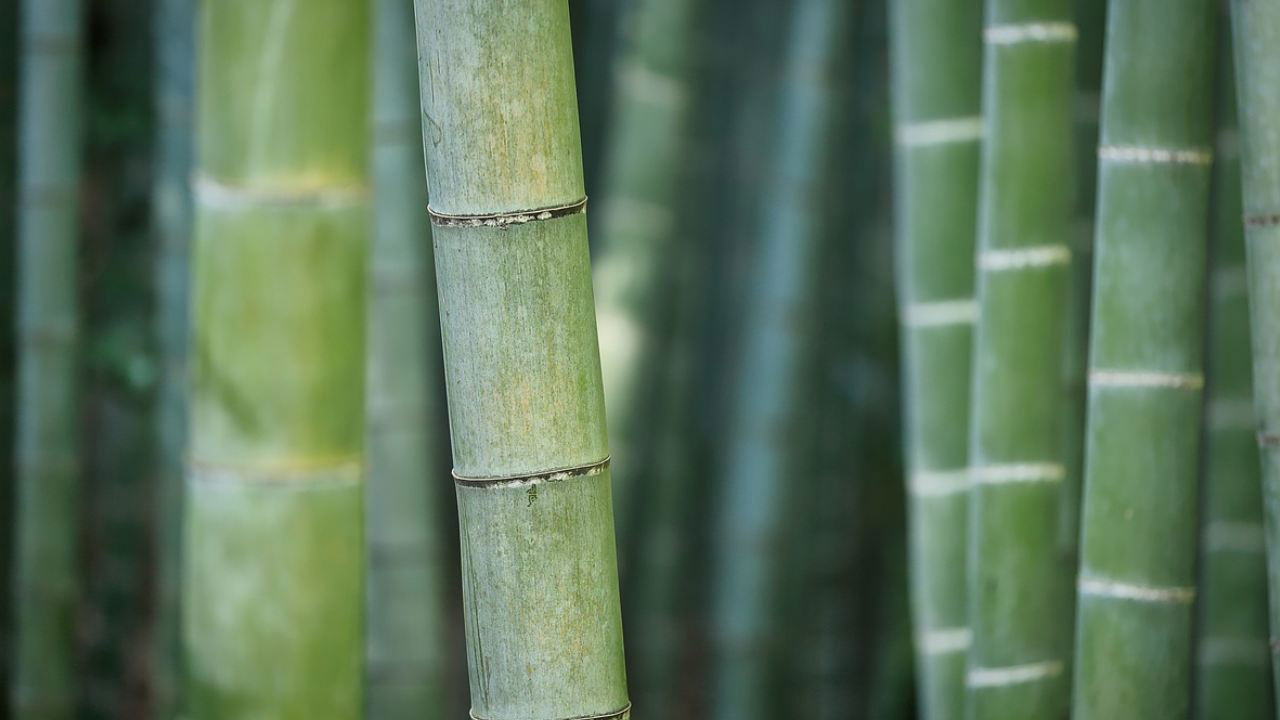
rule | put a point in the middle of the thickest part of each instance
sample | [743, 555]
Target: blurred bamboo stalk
[1232, 655]
[1256, 39]
[46, 450]
[1019, 586]
[404, 620]
[526, 405]
[1137, 566]
[937, 68]
[273, 558]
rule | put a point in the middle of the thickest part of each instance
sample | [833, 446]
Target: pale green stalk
[526, 405]
[46, 449]
[272, 587]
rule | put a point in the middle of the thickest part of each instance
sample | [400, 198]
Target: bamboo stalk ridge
[1232, 655]
[937, 67]
[1137, 568]
[273, 573]
[46, 448]
[770, 423]
[404, 621]
[171, 223]
[1019, 586]
[526, 405]
[1256, 37]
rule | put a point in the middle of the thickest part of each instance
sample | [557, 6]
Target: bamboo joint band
[980, 677]
[1102, 587]
[1034, 32]
[622, 714]
[940, 132]
[1262, 220]
[504, 219]
[537, 478]
[1138, 155]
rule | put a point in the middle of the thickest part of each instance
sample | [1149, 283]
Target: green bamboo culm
[1256, 40]
[526, 405]
[1137, 565]
[171, 224]
[404, 621]
[937, 71]
[767, 446]
[273, 557]
[1233, 678]
[46, 449]
[1019, 585]
[647, 168]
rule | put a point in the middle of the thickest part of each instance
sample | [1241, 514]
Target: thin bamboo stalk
[1256, 37]
[937, 65]
[174, 33]
[1137, 567]
[46, 449]
[1232, 657]
[526, 406]
[1019, 588]
[770, 422]
[405, 665]
[274, 534]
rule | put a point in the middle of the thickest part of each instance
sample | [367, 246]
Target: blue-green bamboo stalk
[44, 684]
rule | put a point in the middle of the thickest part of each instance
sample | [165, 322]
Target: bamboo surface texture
[769, 423]
[1232, 654]
[46, 449]
[404, 621]
[1137, 567]
[273, 582]
[1256, 36]
[526, 405]
[1019, 586]
[937, 77]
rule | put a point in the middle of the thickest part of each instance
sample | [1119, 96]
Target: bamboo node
[507, 219]
[622, 714]
[1145, 379]
[1139, 155]
[1101, 587]
[1014, 473]
[1024, 258]
[945, 641]
[1262, 220]
[938, 132]
[1035, 32]
[939, 483]
[980, 677]
[536, 478]
[942, 313]
[212, 193]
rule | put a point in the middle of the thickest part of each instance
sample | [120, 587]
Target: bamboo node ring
[622, 714]
[507, 219]
[535, 478]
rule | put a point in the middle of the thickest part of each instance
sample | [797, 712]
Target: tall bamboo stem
[1019, 589]
[273, 559]
[404, 619]
[937, 65]
[1137, 566]
[1256, 35]
[46, 451]
[526, 406]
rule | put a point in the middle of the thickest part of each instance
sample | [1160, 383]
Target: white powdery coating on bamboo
[1231, 414]
[642, 83]
[210, 193]
[980, 677]
[939, 483]
[1145, 379]
[1038, 256]
[941, 313]
[1017, 473]
[1226, 650]
[940, 132]
[1241, 537]
[1139, 155]
[1037, 32]
[1101, 587]
[945, 641]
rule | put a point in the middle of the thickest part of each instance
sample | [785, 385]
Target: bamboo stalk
[937, 61]
[1137, 569]
[531, 459]
[405, 666]
[1019, 591]
[769, 427]
[171, 220]
[46, 449]
[273, 559]
[1256, 38]
[1232, 656]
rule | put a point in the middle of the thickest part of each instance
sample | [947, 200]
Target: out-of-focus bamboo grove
[599, 359]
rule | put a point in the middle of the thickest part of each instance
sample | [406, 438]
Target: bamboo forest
[652, 359]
